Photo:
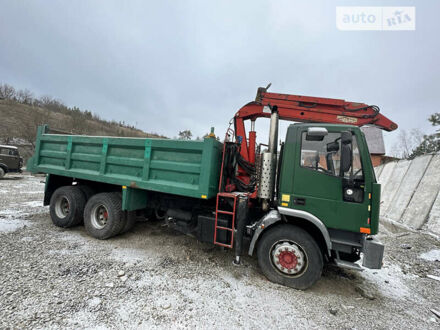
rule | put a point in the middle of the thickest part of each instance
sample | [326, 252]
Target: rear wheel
[129, 221]
[2, 172]
[87, 191]
[67, 206]
[103, 216]
[288, 255]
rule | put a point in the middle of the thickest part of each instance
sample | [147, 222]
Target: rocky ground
[153, 277]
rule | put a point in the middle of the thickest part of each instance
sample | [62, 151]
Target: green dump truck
[314, 201]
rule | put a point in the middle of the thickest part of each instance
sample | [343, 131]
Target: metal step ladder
[225, 195]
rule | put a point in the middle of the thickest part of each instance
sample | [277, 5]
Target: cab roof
[9, 147]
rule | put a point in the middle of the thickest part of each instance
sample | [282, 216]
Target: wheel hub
[62, 207]
[65, 206]
[288, 258]
[99, 216]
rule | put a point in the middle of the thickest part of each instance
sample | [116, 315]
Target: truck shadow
[172, 248]
[340, 282]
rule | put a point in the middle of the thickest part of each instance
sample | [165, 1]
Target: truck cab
[325, 206]
[10, 160]
[315, 178]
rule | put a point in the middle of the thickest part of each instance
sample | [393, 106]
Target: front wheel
[288, 255]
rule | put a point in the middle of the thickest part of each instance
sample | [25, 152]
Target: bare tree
[64, 118]
[25, 96]
[407, 142]
[185, 135]
[27, 130]
[52, 104]
[6, 132]
[45, 100]
[7, 92]
[431, 142]
[78, 121]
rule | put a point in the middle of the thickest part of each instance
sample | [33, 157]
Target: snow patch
[131, 256]
[15, 213]
[9, 213]
[84, 319]
[236, 294]
[33, 204]
[94, 302]
[73, 236]
[433, 255]
[9, 221]
[389, 281]
[10, 225]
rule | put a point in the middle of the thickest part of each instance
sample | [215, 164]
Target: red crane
[293, 108]
[303, 109]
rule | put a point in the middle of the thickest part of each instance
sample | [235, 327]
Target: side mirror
[333, 146]
[346, 137]
[346, 155]
[316, 133]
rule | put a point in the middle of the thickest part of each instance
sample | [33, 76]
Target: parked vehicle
[314, 201]
[10, 160]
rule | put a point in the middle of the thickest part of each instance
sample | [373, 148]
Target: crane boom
[304, 109]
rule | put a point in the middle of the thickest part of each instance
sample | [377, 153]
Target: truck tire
[130, 221]
[2, 172]
[87, 191]
[67, 206]
[288, 255]
[103, 216]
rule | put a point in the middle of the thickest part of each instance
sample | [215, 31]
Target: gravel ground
[153, 277]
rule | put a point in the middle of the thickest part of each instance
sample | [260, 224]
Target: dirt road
[153, 277]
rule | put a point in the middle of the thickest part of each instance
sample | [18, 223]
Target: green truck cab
[326, 185]
[312, 178]
[317, 201]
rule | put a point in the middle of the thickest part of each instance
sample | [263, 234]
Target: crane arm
[305, 109]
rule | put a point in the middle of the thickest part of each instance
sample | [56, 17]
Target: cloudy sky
[172, 65]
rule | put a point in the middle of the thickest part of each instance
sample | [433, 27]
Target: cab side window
[357, 162]
[322, 156]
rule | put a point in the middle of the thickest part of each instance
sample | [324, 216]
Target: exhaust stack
[266, 185]
[273, 133]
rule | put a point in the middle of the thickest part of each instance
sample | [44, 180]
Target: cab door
[338, 198]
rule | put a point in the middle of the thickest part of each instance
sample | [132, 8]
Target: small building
[376, 145]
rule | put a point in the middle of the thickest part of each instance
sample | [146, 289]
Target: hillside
[19, 123]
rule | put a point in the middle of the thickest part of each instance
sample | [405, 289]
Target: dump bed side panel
[189, 168]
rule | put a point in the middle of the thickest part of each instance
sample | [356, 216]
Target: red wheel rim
[288, 259]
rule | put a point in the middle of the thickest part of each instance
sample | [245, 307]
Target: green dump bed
[187, 168]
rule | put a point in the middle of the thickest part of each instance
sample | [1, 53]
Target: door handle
[299, 201]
